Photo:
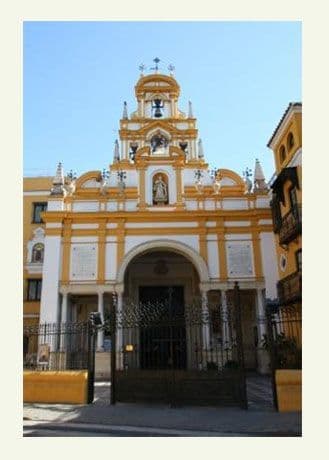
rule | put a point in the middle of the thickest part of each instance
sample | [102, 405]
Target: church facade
[157, 218]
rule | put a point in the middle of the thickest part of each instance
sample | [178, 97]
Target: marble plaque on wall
[83, 261]
[239, 259]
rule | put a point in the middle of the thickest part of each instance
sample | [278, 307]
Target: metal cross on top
[156, 60]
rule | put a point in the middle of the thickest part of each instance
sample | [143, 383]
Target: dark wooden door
[163, 338]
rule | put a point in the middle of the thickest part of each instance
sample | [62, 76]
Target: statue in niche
[158, 142]
[160, 192]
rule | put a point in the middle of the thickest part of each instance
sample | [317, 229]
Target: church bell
[157, 106]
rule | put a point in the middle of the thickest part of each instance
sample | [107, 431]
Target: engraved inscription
[84, 261]
[239, 258]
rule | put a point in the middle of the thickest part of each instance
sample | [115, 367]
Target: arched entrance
[159, 285]
[169, 345]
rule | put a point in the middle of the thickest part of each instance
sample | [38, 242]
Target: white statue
[160, 194]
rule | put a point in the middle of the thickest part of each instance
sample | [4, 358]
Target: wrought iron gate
[175, 353]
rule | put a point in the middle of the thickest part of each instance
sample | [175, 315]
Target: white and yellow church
[157, 217]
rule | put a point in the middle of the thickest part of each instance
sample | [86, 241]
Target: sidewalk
[206, 421]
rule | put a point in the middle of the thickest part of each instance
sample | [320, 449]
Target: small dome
[157, 83]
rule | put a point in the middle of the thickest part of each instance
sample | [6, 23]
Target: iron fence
[178, 353]
[61, 347]
[284, 339]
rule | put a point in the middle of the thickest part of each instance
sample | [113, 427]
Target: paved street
[126, 419]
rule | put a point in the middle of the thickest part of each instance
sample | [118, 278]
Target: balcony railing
[290, 289]
[291, 225]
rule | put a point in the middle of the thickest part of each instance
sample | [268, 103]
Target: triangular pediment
[159, 124]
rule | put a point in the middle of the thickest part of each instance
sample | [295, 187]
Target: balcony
[290, 289]
[291, 225]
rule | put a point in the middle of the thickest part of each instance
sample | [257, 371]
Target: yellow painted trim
[87, 176]
[138, 216]
[202, 230]
[179, 186]
[120, 232]
[222, 257]
[63, 387]
[53, 232]
[142, 202]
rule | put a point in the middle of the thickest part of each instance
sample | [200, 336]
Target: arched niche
[160, 189]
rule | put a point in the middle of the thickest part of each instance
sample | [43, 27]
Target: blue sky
[240, 77]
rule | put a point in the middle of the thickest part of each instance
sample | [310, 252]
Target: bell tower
[158, 124]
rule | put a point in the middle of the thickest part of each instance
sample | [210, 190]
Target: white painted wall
[189, 240]
[131, 205]
[235, 223]
[161, 224]
[191, 205]
[49, 306]
[85, 206]
[213, 263]
[231, 203]
[269, 262]
[110, 260]
[112, 206]
[55, 205]
[209, 205]
[84, 226]
[263, 202]
[238, 236]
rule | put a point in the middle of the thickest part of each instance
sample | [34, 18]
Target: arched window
[282, 153]
[290, 141]
[158, 143]
[37, 253]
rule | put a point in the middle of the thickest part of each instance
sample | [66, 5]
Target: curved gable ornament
[230, 178]
[91, 179]
[170, 245]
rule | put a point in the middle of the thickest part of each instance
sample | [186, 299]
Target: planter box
[289, 389]
[58, 387]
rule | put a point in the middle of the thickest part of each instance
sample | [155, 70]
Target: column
[64, 308]
[225, 325]
[119, 331]
[63, 321]
[262, 355]
[205, 321]
[172, 115]
[100, 334]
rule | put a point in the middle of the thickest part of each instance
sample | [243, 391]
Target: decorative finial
[198, 180]
[58, 182]
[247, 173]
[142, 68]
[190, 111]
[259, 178]
[156, 68]
[171, 69]
[125, 111]
[200, 149]
[122, 175]
[116, 153]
